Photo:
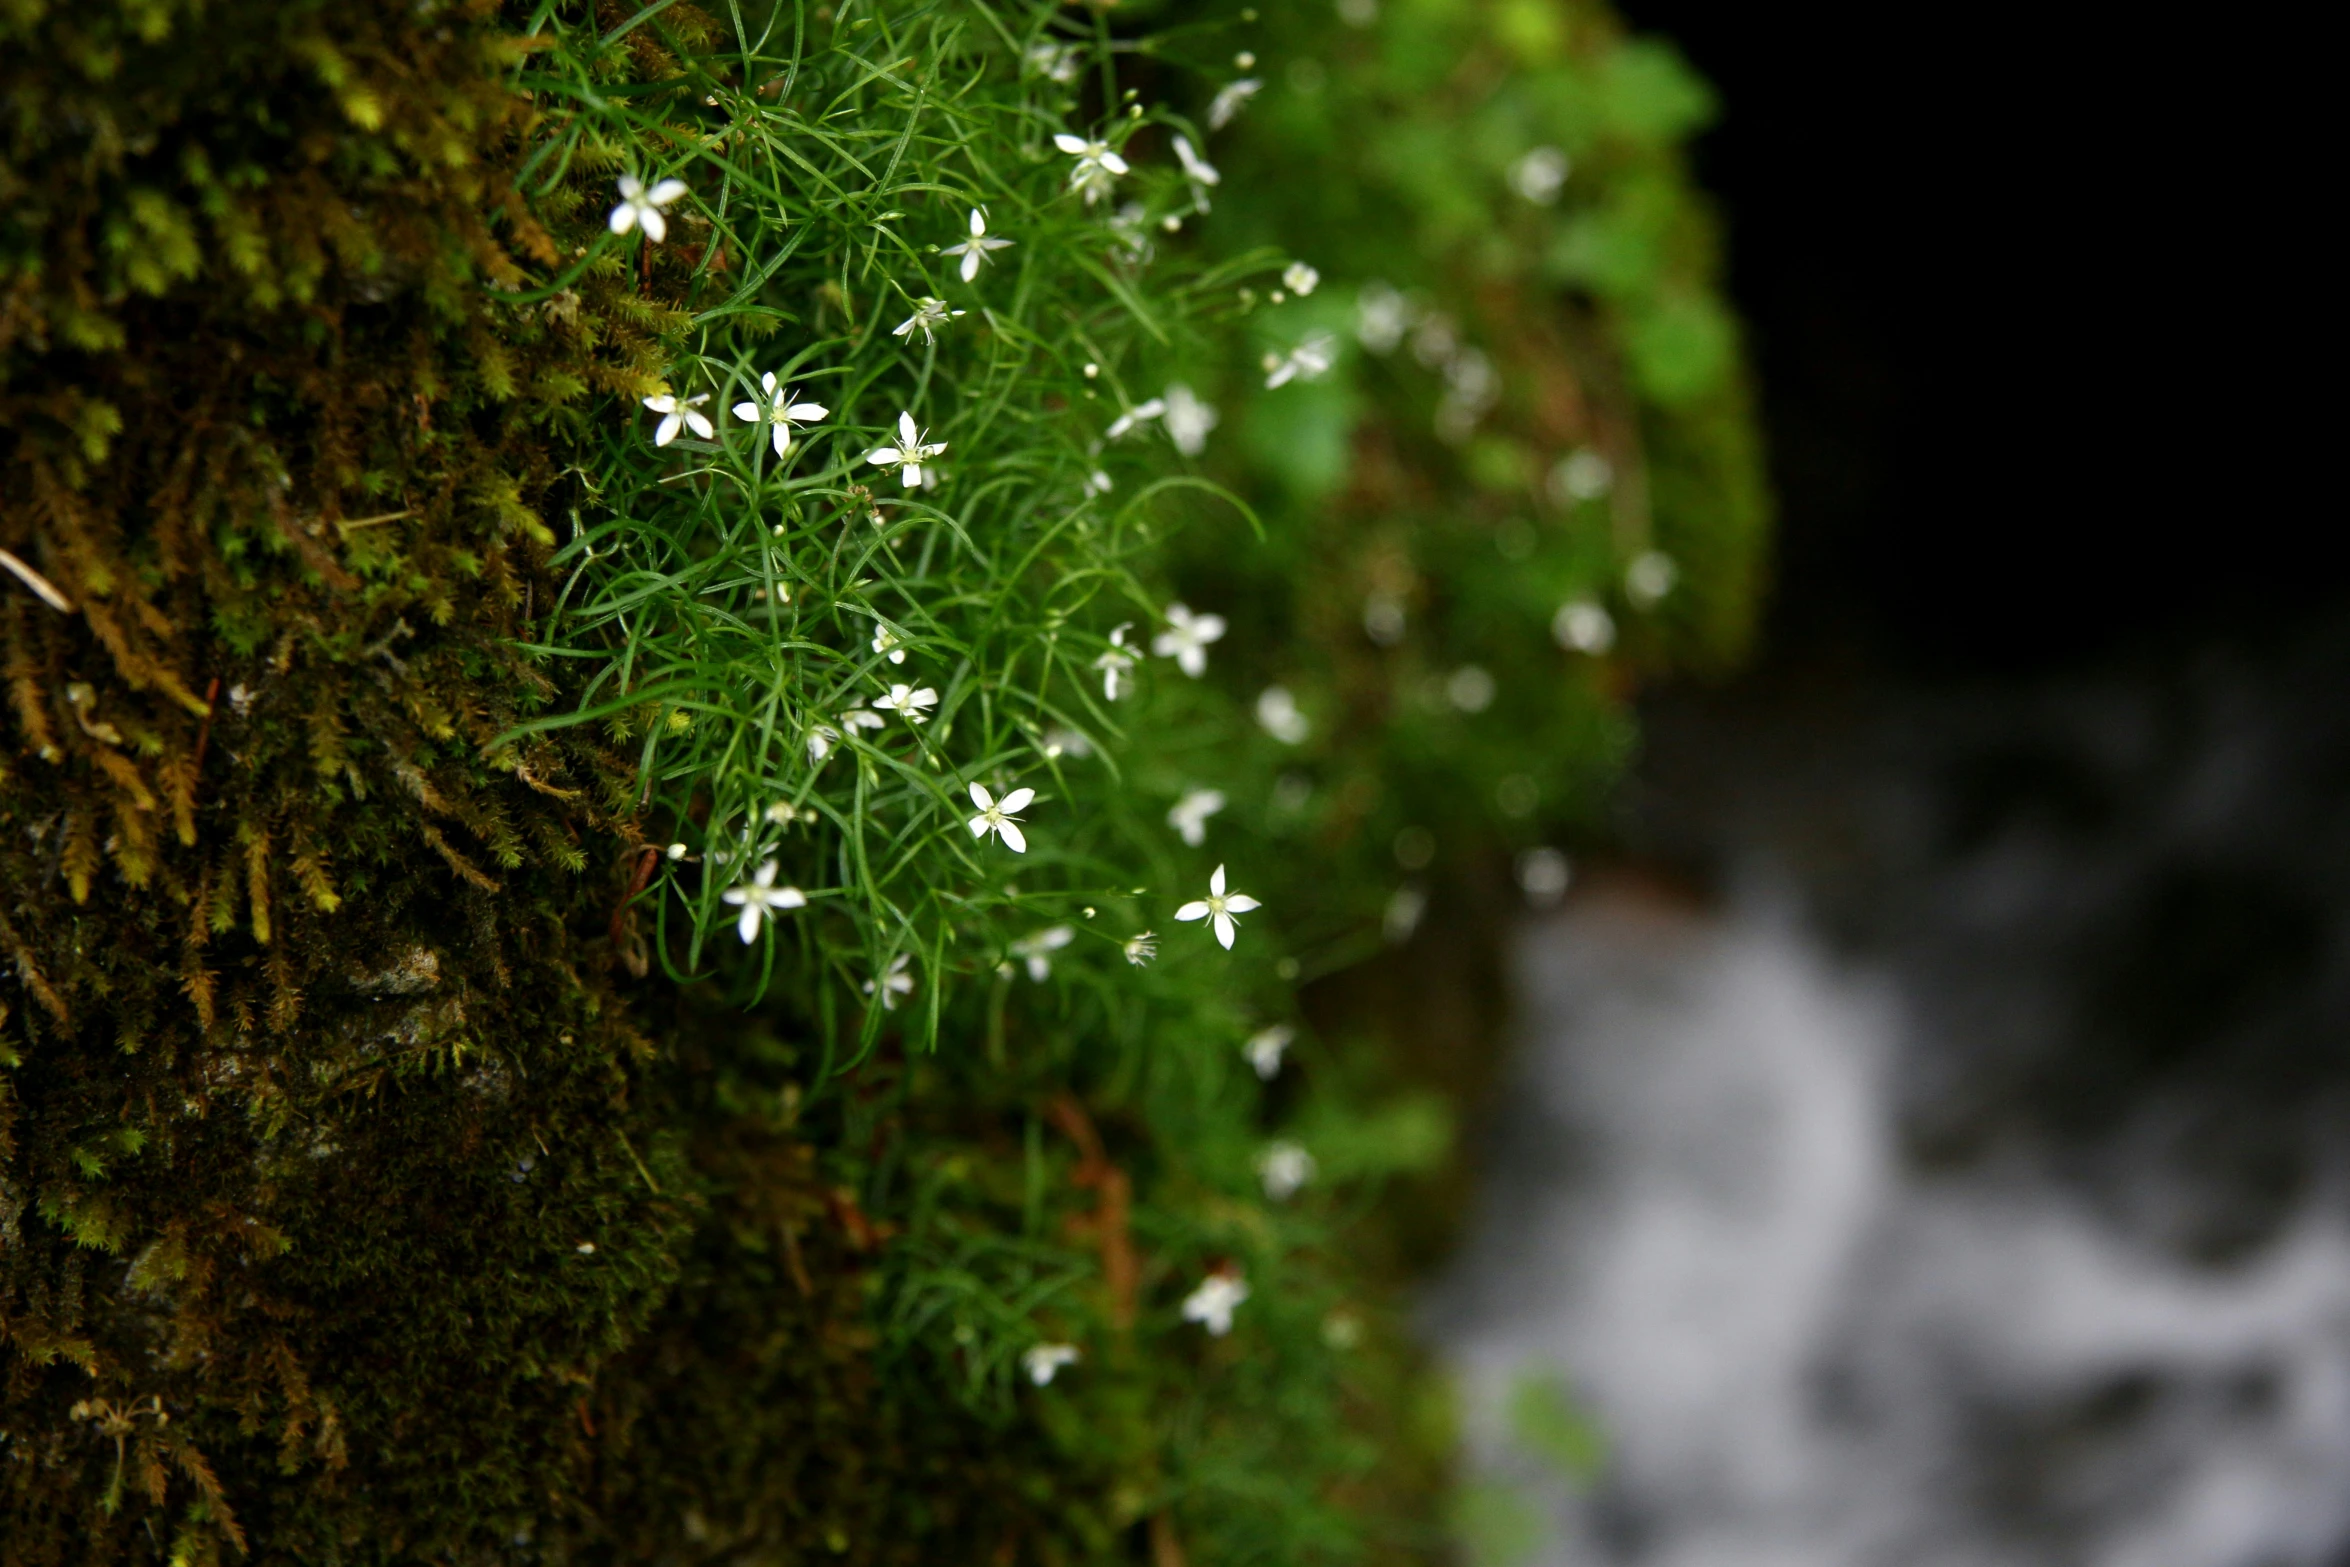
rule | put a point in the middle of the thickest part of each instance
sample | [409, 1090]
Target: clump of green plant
[761, 710]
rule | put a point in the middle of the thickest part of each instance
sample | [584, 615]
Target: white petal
[970, 265]
[1018, 800]
[767, 383]
[978, 223]
[782, 435]
[1112, 162]
[700, 425]
[1241, 903]
[908, 435]
[911, 477]
[623, 218]
[1223, 924]
[735, 895]
[748, 926]
[1192, 911]
[979, 826]
[806, 412]
[631, 187]
[981, 798]
[749, 413]
[656, 226]
[1192, 660]
[1066, 142]
[1207, 627]
[884, 456]
[666, 192]
[669, 428]
[1216, 883]
[1010, 833]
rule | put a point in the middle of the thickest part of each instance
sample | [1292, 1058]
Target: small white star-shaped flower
[1141, 949]
[929, 314]
[1044, 1360]
[1300, 279]
[1308, 361]
[1218, 907]
[1037, 950]
[1284, 1168]
[1198, 170]
[1212, 1304]
[1282, 718]
[857, 718]
[909, 704]
[679, 414]
[821, 739]
[1097, 168]
[759, 899]
[894, 982]
[779, 412]
[1229, 101]
[974, 250]
[1116, 665]
[885, 643]
[1189, 817]
[909, 454]
[1265, 1048]
[1188, 420]
[1138, 414]
[997, 816]
[1186, 639]
[641, 208]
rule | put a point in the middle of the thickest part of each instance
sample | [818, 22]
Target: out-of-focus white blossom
[1186, 639]
[1581, 626]
[1540, 175]
[1280, 716]
[1189, 815]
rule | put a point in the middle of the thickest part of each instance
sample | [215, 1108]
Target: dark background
[2041, 331]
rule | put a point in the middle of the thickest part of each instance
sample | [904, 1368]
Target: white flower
[1650, 577]
[1211, 1305]
[1116, 664]
[1405, 908]
[1188, 420]
[1097, 168]
[909, 454]
[641, 208]
[783, 813]
[974, 250]
[1284, 1168]
[1539, 174]
[821, 739]
[779, 412]
[1189, 817]
[1128, 225]
[1098, 483]
[1280, 716]
[894, 982]
[1230, 99]
[759, 898]
[1543, 875]
[1056, 62]
[1300, 279]
[1218, 907]
[1042, 1361]
[679, 414]
[1198, 170]
[1037, 950]
[1265, 1047]
[1382, 317]
[1581, 626]
[1310, 360]
[858, 718]
[928, 313]
[996, 816]
[1141, 949]
[1469, 688]
[885, 643]
[908, 703]
[1186, 639]
[1580, 476]
[1138, 414]
[1060, 741]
